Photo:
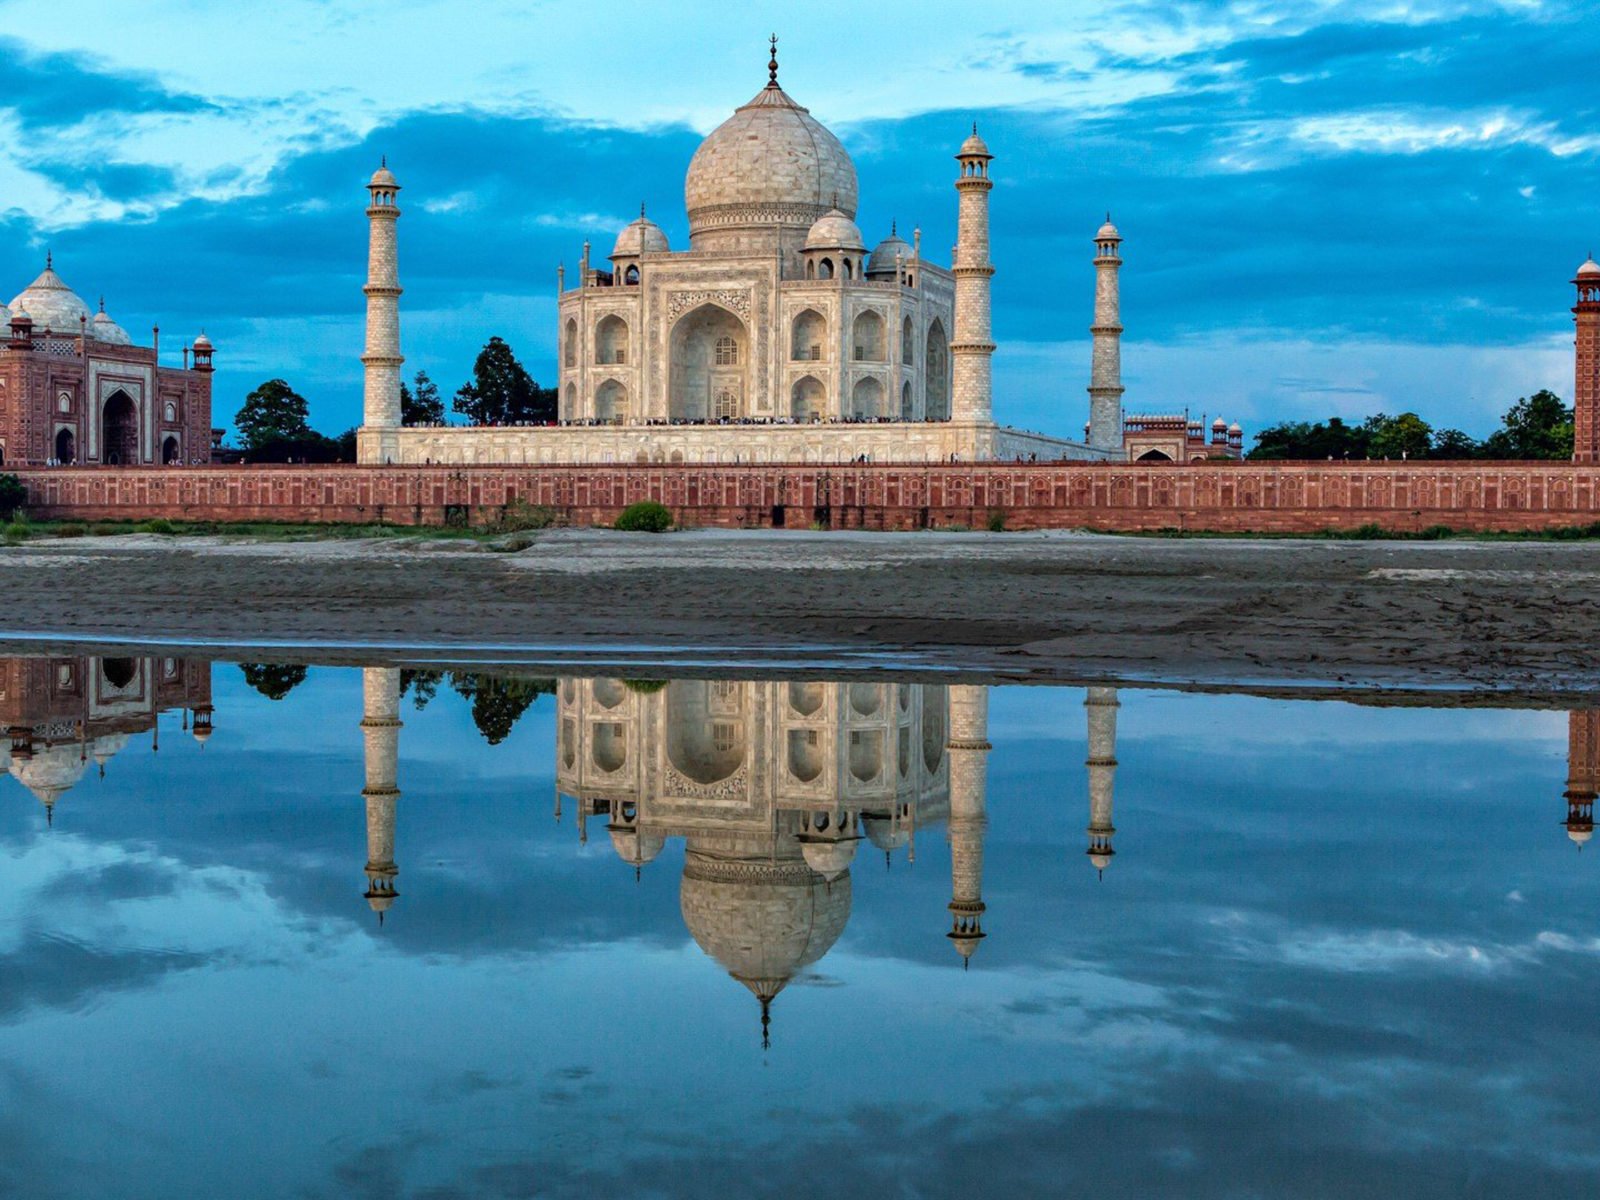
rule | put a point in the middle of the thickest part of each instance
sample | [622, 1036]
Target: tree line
[1536, 426]
[274, 422]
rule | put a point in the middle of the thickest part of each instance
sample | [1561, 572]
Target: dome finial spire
[641, 210]
[49, 261]
[772, 62]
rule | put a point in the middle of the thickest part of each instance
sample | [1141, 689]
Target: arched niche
[936, 373]
[807, 399]
[611, 402]
[867, 336]
[808, 336]
[611, 341]
[710, 354]
[706, 726]
[866, 398]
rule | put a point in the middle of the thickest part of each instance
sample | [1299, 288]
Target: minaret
[972, 345]
[380, 730]
[378, 441]
[968, 749]
[1105, 376]
[1583, 773]
[1586, 387]
[1102, 705]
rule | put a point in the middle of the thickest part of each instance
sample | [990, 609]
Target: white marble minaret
[972, 344]
[968, 749]
[1102, 705]
[378, 440]
[380, 730]
[1105, 378]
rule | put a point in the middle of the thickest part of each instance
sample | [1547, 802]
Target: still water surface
[268, 932]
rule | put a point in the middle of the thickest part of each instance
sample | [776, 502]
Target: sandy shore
[1507, 617]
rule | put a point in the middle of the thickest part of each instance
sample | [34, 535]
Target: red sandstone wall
[1280, 497]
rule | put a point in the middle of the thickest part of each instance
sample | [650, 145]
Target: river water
[267, 931]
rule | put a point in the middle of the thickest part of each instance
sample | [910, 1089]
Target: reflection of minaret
[968, 749]
[1102, 705]
[1583, 773]
[380, 730]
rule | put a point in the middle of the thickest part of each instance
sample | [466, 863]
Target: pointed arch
[808, 336]
[611, 341]
[709, 364]
[808, 399]
[936, 373]
[868, 337]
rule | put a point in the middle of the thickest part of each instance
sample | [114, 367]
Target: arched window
[569, 355]
[825, 269]
[936, 373]
[849, 269]
[570, 405]
[631, 275]
[611, 341]
[906, 407]
[727, 352]
[811, 269]
[869, 337]
[807, 336]
[727, 406]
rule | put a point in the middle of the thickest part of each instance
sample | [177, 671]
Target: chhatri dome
[642, 236]
[770, 164]
[1590, 269]
[885, 253]
[834, 231]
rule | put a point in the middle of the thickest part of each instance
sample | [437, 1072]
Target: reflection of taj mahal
[773, 787]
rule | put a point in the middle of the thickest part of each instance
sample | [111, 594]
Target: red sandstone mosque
[75, 390]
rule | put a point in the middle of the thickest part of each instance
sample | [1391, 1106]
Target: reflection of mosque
[1583, 773]
[62, 713]
[773, 787]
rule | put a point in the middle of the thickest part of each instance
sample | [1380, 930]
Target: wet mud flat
[1473, 619]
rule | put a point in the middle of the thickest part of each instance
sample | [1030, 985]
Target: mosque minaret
[968, 750]
[381, 414]
[1586, 384]
[972, 343]
[1101, 706]
[380, 731]
[1105, 379]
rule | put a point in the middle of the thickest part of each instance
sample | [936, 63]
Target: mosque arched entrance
[66, 448]
[710, 355]
[1154, 456]
[119, 427]
[169, 451]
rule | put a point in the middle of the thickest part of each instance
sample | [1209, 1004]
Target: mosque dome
[51, 303]
[764, 920]
[1236, 428]
[881, 260]
[770, 163]
[1590, 269]
[104, 329]
[635, 848]
[834, 231]
[643, 236]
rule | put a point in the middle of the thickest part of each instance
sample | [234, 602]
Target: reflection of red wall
[1293, 497]
[1583, 752]
[35, 692]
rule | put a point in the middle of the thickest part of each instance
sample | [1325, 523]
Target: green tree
[1303, 440]
[273, 412]
[1538, 426]
[273, 680]
[1405, 436]
[1452, 443]
[13, 496]
[502, 392]
[421, 406]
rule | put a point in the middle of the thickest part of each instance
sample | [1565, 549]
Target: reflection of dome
[635, 848]
[769, 163]
[763, 920]
[106, 745]
[886, 834]
[643, 236]
[830, 859]
[50, 772]
[51, 303]
[834, 231]
[1579, 834]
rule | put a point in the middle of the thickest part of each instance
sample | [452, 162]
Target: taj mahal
[776, 335]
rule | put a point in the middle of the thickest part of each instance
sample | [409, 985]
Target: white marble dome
[642, 236]
[104, 329]
[771, 161]
[830, 859]
[51, 303]
[834, 231]
[51, 771]
[633, 847]
[883, 254]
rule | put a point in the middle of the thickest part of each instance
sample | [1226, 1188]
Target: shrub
[997, 521]
[13, 496]
[71, 529]
[647, 516]
[519, 515]
[16, 531]
[103, 530]
[156, 525]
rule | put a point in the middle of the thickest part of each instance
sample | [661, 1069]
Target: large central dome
[770, 164]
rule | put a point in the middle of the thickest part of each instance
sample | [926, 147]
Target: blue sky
[1330, 207]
